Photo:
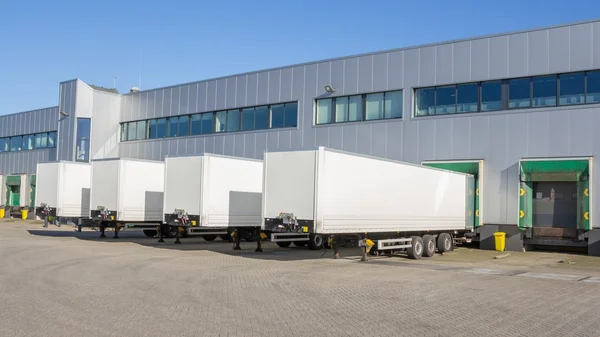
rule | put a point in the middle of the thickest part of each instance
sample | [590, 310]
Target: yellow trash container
[1, 213]
[500, 240]
[24, 214]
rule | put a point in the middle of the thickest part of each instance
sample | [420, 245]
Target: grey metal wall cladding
[24, 162]
[41, 120]
[66, 124]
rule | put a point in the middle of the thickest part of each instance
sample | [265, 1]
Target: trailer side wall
[141, 191]
[105, 184]
[46, 191]
[74, 190]
[183, 184]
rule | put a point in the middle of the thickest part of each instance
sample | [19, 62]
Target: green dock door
[32, 182]
[13, 191]
[470, 167]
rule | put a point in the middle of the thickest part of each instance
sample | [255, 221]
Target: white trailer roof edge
[128, 159]
[208, 154]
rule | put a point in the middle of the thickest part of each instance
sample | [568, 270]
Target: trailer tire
[416, 248]
[283, 244]
[249, 236]
[150, 232]
[315, 241]
[428, 245]
[225, 237]
[445, 243]
[209, 237]
[300, 243]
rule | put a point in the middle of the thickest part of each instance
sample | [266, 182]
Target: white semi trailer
[127, 194]
[313, 196]
[63, 192]
[212, 195]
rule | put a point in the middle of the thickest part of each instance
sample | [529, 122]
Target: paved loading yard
[56, 282]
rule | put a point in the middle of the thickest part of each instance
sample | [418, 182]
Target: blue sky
[45, 42]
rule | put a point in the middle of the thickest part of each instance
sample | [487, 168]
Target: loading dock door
[469, 167]
[13, 191]
[554, 193]
[32, 181]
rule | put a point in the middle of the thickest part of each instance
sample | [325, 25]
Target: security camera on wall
[64, 114]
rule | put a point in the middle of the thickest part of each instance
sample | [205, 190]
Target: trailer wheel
[209, 237]
[416, 249]
[428, 245]
[225, 237]
[300, 243]
[150, 232]
[445, 243]
[315, 241]
[249, 236]
[283, 244]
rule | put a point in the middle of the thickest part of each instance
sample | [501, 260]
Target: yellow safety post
[24, 214]
[1, 213]
[500, 241]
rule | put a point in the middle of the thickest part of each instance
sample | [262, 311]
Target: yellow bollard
[24, 214]
[1, 213]
[500, 241]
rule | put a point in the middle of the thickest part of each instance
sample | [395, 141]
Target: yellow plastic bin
[1, 213]
[24, 214]
[500, 240]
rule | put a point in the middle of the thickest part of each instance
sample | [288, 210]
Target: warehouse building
[517, 110]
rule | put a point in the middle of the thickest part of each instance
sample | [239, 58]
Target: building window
[519, 93]
[467, 97]
[544, 91]
[83, 139]
[261, 117]
[291, 115]
[41, 142]
[132, 131]
[593, 87]
[393, 104]
[161, 128]
[425, 100]
[445, 100]
[3, 144]
[355, 108]
[152, 130]
[15, 143]
[277, 115]
[28, 142]
[173, 126]
[233, 120]
[124, 132]
[374, 107]
[324, 111]
[491, 96]
[220, 121]
[341, 109]
[52, 139]
[184, 126]
[248, 119]
[141, 130]
[572, 89]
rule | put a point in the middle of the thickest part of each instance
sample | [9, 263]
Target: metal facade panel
[238, 145]
[252, 89]
[379, 140]
[337, 76]
[219, 144]
[349, 138]
[229, 145]
[285, 138]
[539, 134]
[582, 126]
[249, 145]
[272, 141]
[209, 144]
[166, 103]
[480, 140]
[559, 132]
[323, 79]
[364, 138]
[263, 88]
[193, 98]
[260, 145]
[538, 52]
[221, 94]
[498, 138]
[230, 101]
[365, 73]
[426, 140]
[444, 140]
[274, 86]
[135, 107]
[211, 96]
[444, 60]
[596, 49]
[395, 70]
[581, 47]
[498, 55]
[461, 138]
[558, 54]
[176, 101]
[461, 62]
[517, 55]
[336, 137]
[518, 141]
[479, 60]
[184, 103]
[427, 66]
[351, 76]
[380, 72]
[394, 140]
[322, 136]
[241, 85]
[158, 103]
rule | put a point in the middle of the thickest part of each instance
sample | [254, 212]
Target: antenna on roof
[115, 82]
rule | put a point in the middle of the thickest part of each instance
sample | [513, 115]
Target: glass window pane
[173, 126]
[52, 139]
[220, 121]
[2, 144]
[572, 89]
[544, 91]
[393, 104]
[196, 128]
[207, 123]
[467, 97]
[131, 131]
[123, 132]
[355, 108]
[277, 114]
[15, 143]
[28, 142]
[374, 106]
[261, 117]
[593, 87]
[141, 130]
[518, 93]
[82, 149]
[161, 128]
[45, 140]
[425, 100]
[324, 111]
[248, 119]
[445, 100]
[291, 115]
[184, 126]
[152, 129]
[341, 109]
[233, 120]
[491, 96]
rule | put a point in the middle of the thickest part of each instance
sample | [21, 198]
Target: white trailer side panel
[47, 184]
[105, 184]
[141, 190]
[361, 194]
[25, 192]
[183, 179]
[289, 184]
[232, 192]
[74, 190]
